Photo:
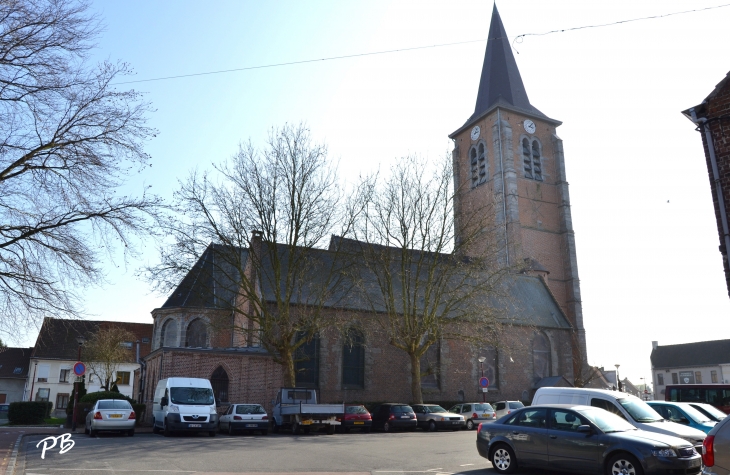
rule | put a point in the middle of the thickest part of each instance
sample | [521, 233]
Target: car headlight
[664, 453]
[174, 408]
[213, 411]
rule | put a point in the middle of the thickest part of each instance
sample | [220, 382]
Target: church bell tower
[508, 153]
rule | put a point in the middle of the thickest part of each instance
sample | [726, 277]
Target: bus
[717, 395]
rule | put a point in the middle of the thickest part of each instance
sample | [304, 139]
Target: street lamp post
[80, 340]
[481, 367]
[618, 380]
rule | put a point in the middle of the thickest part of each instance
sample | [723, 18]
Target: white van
[634, 410]
[184, 404]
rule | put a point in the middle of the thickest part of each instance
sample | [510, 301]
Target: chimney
[654, 344]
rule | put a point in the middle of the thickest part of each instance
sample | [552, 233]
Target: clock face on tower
[529, 126]
[475, 132]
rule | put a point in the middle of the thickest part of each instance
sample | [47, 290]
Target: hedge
[93, 397]
[29, 412]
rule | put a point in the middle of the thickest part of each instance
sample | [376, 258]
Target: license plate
[694, 463]
[252, 425]
[306, 423]
[455, 422]
[115, 416]
[359, 422]
[404, 417]
[485, 415]
[195, 425]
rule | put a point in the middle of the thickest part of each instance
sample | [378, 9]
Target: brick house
[507, 152]
[712, 117]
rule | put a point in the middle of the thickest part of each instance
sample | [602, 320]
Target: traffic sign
[79, 369]
[483, 382]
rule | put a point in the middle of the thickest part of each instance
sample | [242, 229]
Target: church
[508, 153]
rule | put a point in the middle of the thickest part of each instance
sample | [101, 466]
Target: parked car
[432, 417]
[582, 439]
[110, 415]
[683, 413]
[710, 411]
[502, 408]
[475, 413]
[637, 412]
[244, 417]
[716, 450]
[356, 417]
[391, 416]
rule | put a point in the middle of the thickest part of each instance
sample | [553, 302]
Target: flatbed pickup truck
[297, 409]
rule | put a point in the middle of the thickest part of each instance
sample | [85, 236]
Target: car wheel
[166, 430]
[431, 426]
[623, 464]
[86, 429]
[155, 429]
[92, 432]
[295, 428]
[469, 424]
[503, 459]
[130, 432]
[230, 429]
[386, 427]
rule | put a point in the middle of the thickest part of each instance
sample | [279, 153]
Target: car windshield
[191, 396]
[113, 405]
[640, 411]
[401, 409]
[356, 410]
[516, 405]
[694, 413]
[606, 421]
[249, 409]
[434, 409]
[483, 407]
[711, 411]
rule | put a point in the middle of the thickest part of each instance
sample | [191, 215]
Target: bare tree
[68, 139]
[106, 351]
[262, 223]
[425, 280]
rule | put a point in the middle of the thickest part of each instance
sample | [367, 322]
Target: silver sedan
[111, 415]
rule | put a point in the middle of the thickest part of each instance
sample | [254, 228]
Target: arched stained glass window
[196, 335]
[306, 363]
[431, 366]
[541, 364]
[353, 360]
[169, 334]
[219, 382]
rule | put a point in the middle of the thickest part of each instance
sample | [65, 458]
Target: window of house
[431, 366]
[18, 370]
[196, 335]
[43, 372]
[145, 340]
[541, 357]
[62, 401]
[42, 394]
[698, 377]
[168, 336]
[531, 159]
[306, 362]
[219, 382]
[675, 378]
[660, 379]
[2, 398]
[63, 376]
[126, 344]
[713, 376]
[353, 360]
[122, 377]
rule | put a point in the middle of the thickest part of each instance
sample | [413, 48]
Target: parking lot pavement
[444, 453]
[9, 437]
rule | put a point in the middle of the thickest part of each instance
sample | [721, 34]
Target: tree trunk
[289, 371]
[416, 379]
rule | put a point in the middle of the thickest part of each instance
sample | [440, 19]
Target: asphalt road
[146, 454]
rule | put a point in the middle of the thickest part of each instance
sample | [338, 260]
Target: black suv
[394, 416]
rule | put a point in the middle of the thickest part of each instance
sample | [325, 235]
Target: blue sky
[646, 238]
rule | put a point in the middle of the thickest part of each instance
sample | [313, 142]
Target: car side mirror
[585, 428]
[163, 402]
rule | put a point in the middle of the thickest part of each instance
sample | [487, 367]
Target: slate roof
[501, 84]
[523, 300]
[701, 353]
[57, 338]
[13, 358]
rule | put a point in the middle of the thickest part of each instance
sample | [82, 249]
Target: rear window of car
[483, 407]
[516, 405]
[401, 409]
[356, 410]
[249, 409]
[114, 405]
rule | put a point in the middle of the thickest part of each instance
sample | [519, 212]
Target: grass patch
[55, 420]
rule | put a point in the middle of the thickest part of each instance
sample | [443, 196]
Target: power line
[517, 39]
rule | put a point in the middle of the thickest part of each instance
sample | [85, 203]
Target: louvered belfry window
[478, 160]
[531, 159]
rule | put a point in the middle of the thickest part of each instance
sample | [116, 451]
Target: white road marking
[466, 465]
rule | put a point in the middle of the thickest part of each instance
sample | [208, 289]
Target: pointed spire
[500, 76]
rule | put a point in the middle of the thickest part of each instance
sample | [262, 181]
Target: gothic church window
[531, 159]
[353, 360]
[431, 366]
[478, 159]
[219, 382]
[196, 335]
[541, 364]
[168, 336]
[491, 366]
[306, 362]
